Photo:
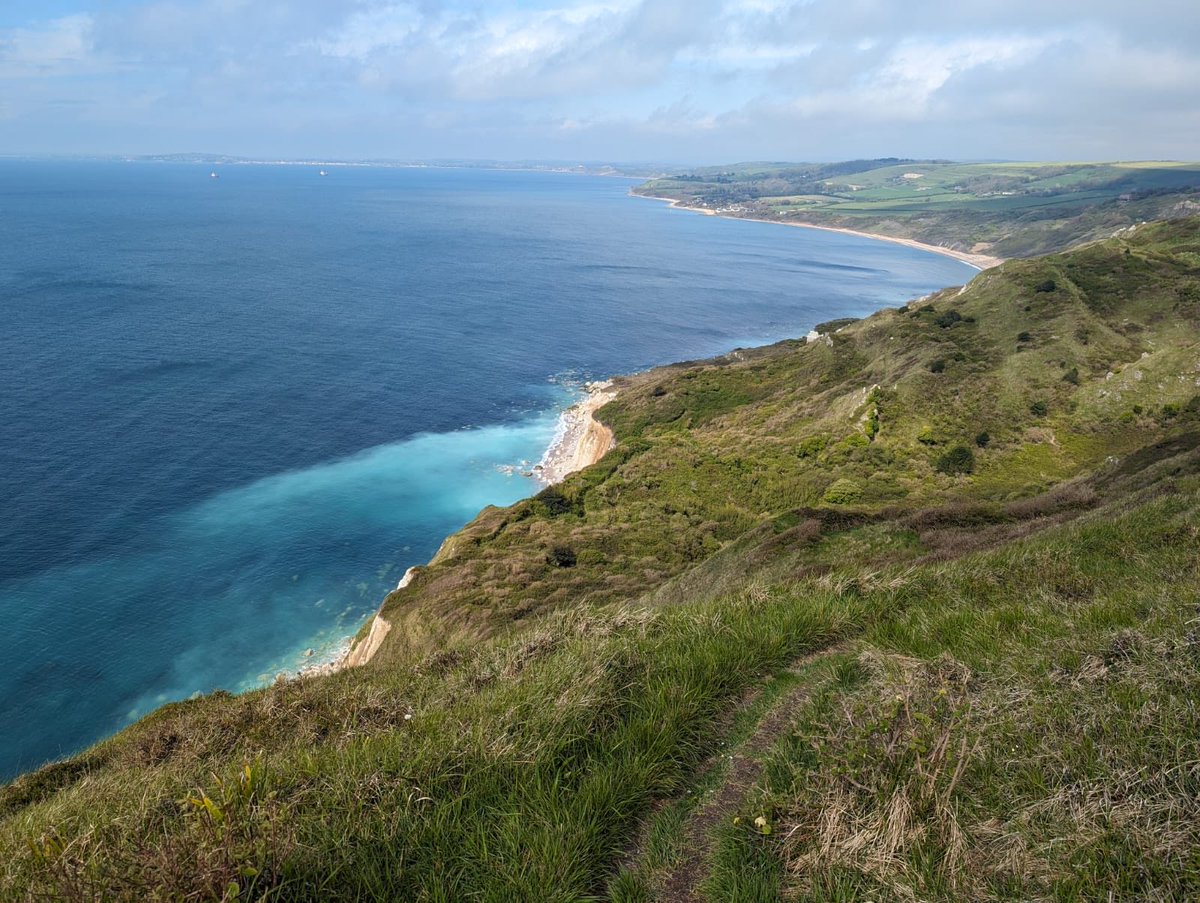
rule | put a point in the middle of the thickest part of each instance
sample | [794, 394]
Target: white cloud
[54, 47]
[708, 78]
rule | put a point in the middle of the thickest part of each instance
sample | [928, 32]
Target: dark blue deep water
[234, 410]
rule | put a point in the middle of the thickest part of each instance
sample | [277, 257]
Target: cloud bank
[678, 80]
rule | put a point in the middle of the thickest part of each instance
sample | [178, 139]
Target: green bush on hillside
[948, 319]
[842, 492]
[959, 460]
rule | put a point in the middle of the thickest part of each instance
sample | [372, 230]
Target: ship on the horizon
[322, 173]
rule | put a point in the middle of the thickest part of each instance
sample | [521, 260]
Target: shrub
[958, 460]
[1039, 409]
[812, 446]
[937, 366]
[1170, 410]
[842, 492]
[554, 501]
[1072, 376]
[948, 319]
[1047, 286]
[561, 557]
[855, 440]
[983, 439]
[926, 436]
[1023, 337]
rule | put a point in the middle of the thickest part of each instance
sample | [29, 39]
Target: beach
[581, 439]
[979, 261]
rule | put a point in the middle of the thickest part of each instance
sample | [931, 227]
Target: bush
[1047, 286]
[938, 366]
[554, 501]
[842, 492]
[948, 319]
[872, 426]
[958, 460]
[926, 436]
[1023, 337]
[1072, 376]
[561, 557]
[983, 439]
[812, 446]
[1039, 409]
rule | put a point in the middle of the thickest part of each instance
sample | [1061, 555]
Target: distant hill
[904, 612]
[1000, 209]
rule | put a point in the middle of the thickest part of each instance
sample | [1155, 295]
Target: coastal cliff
[903, 613]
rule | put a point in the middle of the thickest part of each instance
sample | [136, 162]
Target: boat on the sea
[322, 173]
[213, 175]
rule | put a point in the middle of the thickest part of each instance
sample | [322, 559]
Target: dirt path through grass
[743, 768]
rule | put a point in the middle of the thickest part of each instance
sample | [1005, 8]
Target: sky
[666, 81]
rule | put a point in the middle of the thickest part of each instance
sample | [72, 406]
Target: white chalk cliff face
[362, 652]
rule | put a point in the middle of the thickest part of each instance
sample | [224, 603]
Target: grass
[1071, 675]
[1032, 737]
[1002, 209]
[1016, 720]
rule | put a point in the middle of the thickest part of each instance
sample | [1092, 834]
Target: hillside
[998, 209]
[908, 611]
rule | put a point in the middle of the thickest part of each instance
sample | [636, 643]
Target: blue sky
[690, 81]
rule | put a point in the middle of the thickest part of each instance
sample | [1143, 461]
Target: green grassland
[1001, 209]
[907, 612]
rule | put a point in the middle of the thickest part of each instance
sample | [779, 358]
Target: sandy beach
[979, 261]
[581, 438]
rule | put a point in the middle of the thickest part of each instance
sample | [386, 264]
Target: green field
[1001, 209]
[907, 612]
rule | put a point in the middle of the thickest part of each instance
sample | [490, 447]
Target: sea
[237, 403]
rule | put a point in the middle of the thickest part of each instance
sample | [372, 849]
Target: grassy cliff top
[907, 612]
[1000, 209]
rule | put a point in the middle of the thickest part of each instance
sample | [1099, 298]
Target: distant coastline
[979, 261]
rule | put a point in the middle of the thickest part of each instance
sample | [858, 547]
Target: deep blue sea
[234, 410]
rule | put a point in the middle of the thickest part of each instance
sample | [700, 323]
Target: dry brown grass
[874, 821]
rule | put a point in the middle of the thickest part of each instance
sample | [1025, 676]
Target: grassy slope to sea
[998, 209]
[907, 612]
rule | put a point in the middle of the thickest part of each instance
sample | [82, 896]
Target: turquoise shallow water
[235, 410]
